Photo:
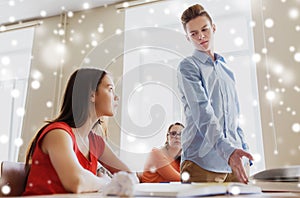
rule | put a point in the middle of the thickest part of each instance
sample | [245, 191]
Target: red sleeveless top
[43, 179]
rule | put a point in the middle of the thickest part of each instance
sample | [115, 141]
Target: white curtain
[15, 61]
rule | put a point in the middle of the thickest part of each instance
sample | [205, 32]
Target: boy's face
[200, 33]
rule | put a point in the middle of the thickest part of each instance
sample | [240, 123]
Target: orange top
[160, 168]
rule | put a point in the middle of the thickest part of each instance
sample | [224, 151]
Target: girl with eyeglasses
[163, 164]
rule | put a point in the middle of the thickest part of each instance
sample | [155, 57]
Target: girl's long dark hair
[75, 106]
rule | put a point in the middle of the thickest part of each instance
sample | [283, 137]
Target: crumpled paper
[121, 184]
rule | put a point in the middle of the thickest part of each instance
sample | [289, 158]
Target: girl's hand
[122, 184]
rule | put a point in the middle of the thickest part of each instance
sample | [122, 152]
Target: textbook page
[193, 189]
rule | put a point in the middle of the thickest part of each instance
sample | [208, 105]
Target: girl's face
[106, 100]
[174, 136]
[200, 33]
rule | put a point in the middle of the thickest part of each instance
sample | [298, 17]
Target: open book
[193, 189]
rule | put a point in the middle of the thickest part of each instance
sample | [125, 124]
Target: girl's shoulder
[159, 152]
[56, 125]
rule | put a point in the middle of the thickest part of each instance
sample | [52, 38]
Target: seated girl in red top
[163, 164]
[63, 155]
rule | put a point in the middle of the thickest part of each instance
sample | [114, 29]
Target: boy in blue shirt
[213, 144]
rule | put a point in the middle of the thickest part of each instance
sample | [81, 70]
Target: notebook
[193, 189]
[286, 179]
[286, 174]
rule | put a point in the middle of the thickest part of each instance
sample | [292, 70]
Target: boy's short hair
[193, 12]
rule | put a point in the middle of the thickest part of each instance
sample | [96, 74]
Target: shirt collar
[203, 57]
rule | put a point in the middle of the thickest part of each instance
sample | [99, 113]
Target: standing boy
[213, 143]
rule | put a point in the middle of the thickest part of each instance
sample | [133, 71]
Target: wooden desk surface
[264, 194]
[204, 189]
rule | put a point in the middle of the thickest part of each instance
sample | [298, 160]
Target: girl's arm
[74, 178]
[163, 166]
[111, 161]
[169, 173]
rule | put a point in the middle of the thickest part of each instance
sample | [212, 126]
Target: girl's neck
[85, 129]
[173, 151]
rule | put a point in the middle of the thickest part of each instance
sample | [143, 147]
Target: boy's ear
[214, 28]
[187, 37]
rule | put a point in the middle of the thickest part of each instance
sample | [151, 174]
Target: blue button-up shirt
[211, 110]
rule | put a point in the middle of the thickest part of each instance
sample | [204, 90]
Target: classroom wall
[277, 69]
[278, 46]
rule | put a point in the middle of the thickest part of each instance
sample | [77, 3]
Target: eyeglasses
[174, 133]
